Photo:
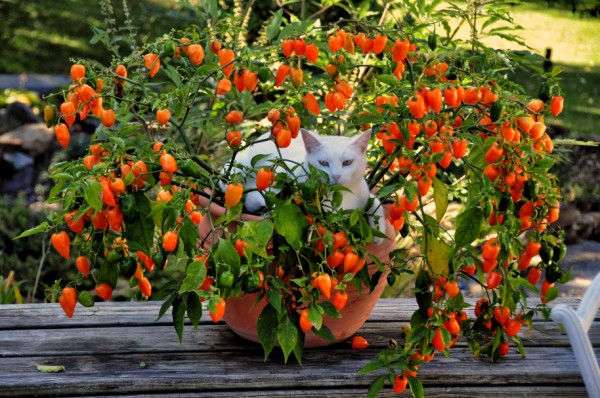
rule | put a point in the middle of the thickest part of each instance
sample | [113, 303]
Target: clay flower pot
[243, 312]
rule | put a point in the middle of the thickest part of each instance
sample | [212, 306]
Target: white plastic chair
[577, 324]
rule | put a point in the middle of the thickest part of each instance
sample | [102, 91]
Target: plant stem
[45, 252]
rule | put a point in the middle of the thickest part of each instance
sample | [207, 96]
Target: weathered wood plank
[431, 392]
[208, 337]
[329, 368]
[103, 347]
[35, 316]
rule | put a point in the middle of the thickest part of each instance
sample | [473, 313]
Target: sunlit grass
[574, 43]
[573, 40]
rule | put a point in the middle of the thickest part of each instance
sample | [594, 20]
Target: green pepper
[115, 255]
[432, 41]
[191, 168]
[496, 111]
[544, 91]
[553, 273]
[546, 253]
[226, 279]
[85, 298]
[559, 252]
[159, 259]
[169, 48]
[128, 267]
[127, 206]
[264, 74]
[531, 190]
[252, 282]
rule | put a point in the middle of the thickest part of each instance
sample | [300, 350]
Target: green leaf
[551, 294]
[299, 348]
[416, 334]
[257, 234]
[196, 272]
[356, 215]
[324, 333]
[290, 223]
[43, 227]
[416, 387]
[438, 254]
[371, 367]
[213, 9]
[375, 387]
[226, 254]
[62, 176]
[440, 197]
[287, 335]
[165, 306]
[194, 309]
[109, 273]
[330, 310]
[189, 236]
[50, 368]
[315, 317]
[178, 317]
[275, 300]
[468, 225]
[273, 28]
[390, 80]
[171, 72]
[141, 229]
[92, 194]
[519, 345]
[258, 158]
[294, 29]
[56, 190]
[265, 327]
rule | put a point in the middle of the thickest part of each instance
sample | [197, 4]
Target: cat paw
[377, 240]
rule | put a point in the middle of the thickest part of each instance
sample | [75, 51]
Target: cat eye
[347, 162]
[323, 163]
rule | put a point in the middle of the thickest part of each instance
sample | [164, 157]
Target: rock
[15, 115]
[579, 225]
[17, 172]
[579, 174]
[35, 139]
[569, 215]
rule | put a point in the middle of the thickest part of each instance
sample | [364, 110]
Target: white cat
[342, 158]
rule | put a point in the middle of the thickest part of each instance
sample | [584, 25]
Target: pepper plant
[447, 126]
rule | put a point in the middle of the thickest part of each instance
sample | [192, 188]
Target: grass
[581, 89]
[574, 41]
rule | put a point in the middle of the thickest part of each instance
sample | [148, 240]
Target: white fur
[342, 158]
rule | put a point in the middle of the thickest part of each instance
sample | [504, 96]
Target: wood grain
[103, 349]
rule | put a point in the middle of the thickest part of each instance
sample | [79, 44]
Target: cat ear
[311, 140]
[362, 141]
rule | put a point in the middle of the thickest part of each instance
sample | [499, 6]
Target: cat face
[342, 158]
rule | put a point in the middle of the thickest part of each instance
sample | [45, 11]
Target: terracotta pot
[242, 312]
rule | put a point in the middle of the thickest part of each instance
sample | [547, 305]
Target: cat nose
[336, 177]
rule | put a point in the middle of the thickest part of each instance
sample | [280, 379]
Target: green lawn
[574, 42]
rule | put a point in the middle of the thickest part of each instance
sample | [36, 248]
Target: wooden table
[119, 349]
